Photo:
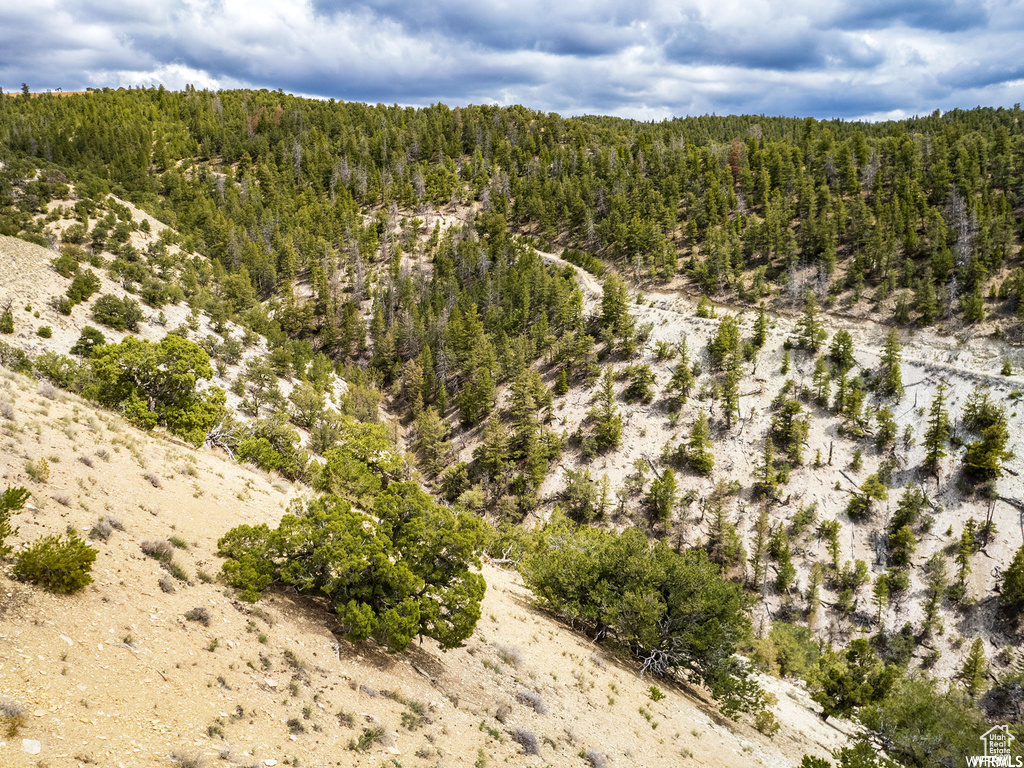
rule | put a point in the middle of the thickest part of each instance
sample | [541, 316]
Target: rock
[270, 683]
[31, 746]
[270, 761]
[39, 712]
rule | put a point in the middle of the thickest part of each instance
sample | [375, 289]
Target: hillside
[962, 364]
[117, 675]
[728, 396]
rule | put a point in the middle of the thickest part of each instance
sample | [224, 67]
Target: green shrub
[7, 321]
[156, 384]
[672, 610]
[74, 234]
[65, 265]
[119, 314]
[85, 284]
[44, 332]
[404, 571]
[58, 564]
[260, 452]
[11, 500]
[14, 358]
[58, 369]
[38, 470]
[88, 341]
[796, 651]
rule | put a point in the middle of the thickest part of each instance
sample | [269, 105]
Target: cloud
[948, 16]
[647, 59]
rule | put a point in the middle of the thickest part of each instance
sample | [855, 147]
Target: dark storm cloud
[787, 50]
[648, 59]
[934, 15]
[591, 30]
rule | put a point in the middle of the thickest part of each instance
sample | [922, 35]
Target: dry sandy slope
[116, 676]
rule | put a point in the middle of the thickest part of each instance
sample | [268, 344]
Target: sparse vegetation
[12, 717]
[533, 701]
[525, 739]
[199, 614]
[375, 734]
[38, 470]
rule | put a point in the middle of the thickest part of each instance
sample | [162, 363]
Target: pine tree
[726, 343]
[1011, 593]
[698, 449]
[562, 383]
[813, 592]
[984, 458]
[477, 397]
[760, 328]
[924, 298]
[890, 379]
[442, 399]
[966, 547]
[809, 332]
[767, 479]
[779, 548]
[661, 497]
[840, 351]
[822, 382]
[412, 387]
[935, 588]
[616, 320]
[731, 391]
[724, 545]
[880, 596]
[682, 376]
[885, 429]
[937, 434]
[607, 430]
[861, 505]
[759, 551]
[492, 455]
[972, 304]
[975, 670]
[430, 443]
[829, 531]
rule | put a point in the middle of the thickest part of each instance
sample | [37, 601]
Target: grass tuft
[532, 700]
[199, 614]
[527, 740]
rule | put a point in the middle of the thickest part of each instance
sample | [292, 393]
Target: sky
[643, 59]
